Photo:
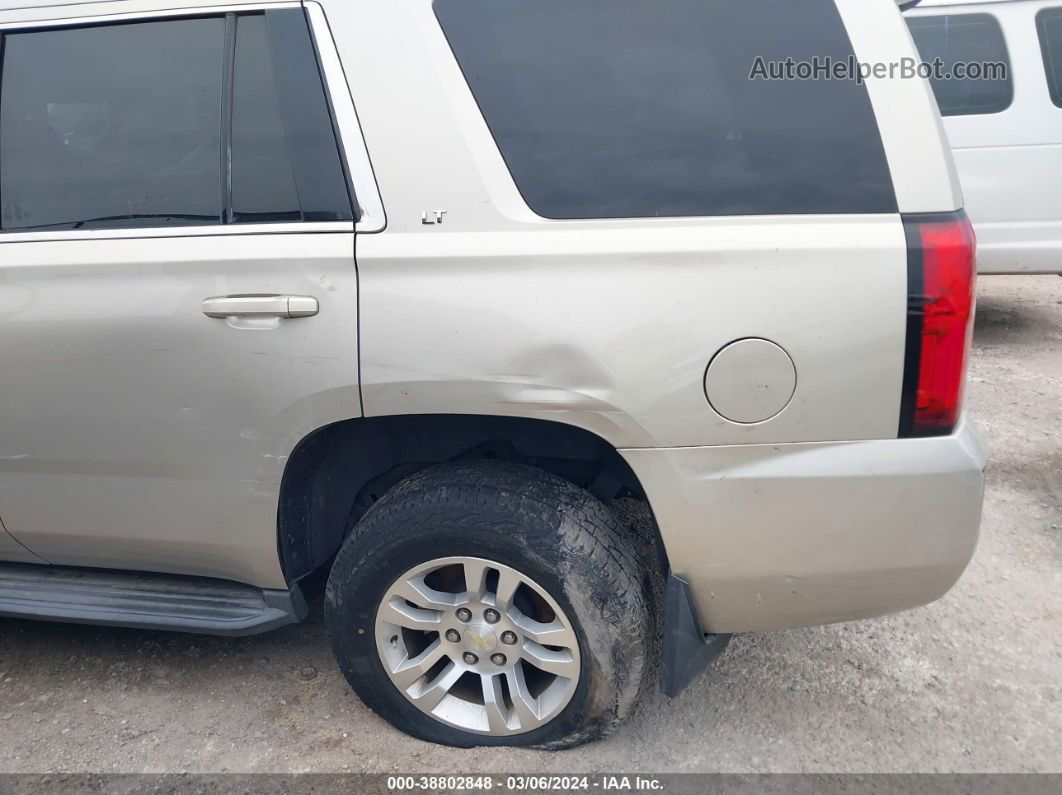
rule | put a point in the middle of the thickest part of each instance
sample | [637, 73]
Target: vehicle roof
[17, 10]
[78, 7]
[18, 5]
[26, 9]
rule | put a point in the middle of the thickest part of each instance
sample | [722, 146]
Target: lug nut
[453, 636]
[509, 638]
[498, 659]
[470, 658]
[464, 614]
[492, 615]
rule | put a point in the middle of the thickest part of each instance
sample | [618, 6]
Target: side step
[146, 601]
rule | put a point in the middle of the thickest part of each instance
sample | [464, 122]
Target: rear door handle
[289, 306]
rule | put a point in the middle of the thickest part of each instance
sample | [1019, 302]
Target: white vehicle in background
[1006, 132]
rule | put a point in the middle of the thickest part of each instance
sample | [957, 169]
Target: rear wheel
[485, 603]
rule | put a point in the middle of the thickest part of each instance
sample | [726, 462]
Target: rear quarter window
[636, 108]
[1049, 23]
[966, 39]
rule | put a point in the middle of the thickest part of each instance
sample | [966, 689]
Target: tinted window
[636, 108]
[263, 182]
[128, 125]
[285, 160]
[967, 39]
[112, 126]
[1049, 22]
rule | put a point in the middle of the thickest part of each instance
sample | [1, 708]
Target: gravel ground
[971, 683]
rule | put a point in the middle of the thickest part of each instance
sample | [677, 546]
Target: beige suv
[569, 337]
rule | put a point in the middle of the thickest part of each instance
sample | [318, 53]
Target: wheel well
[336, 474]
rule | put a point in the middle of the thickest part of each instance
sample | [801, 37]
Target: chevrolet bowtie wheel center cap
[480, 639]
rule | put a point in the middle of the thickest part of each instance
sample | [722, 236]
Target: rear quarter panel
[610, 325]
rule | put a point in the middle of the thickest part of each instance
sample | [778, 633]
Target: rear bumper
[781, 536]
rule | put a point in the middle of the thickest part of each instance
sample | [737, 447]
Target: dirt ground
[971, 683]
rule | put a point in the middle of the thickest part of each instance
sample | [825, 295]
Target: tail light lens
[941, 254]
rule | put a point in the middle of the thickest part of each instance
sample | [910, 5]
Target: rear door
[179, 300]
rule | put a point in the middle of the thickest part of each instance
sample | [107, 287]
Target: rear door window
[1049, 23]
[169, 122]
[110, 126]
[636, 108]
[972, 41]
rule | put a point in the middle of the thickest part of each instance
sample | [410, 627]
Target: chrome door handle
[289, 306]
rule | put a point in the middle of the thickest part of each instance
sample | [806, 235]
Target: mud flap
[688, 651]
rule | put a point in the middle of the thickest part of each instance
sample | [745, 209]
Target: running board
[145, 601]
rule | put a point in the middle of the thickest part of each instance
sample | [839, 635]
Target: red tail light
[940, 293]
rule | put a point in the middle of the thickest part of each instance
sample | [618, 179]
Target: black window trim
[992, 19]
[204, 230]
[1054, 90]
[228, 101]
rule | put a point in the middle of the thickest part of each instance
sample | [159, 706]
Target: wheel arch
[337, 472]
